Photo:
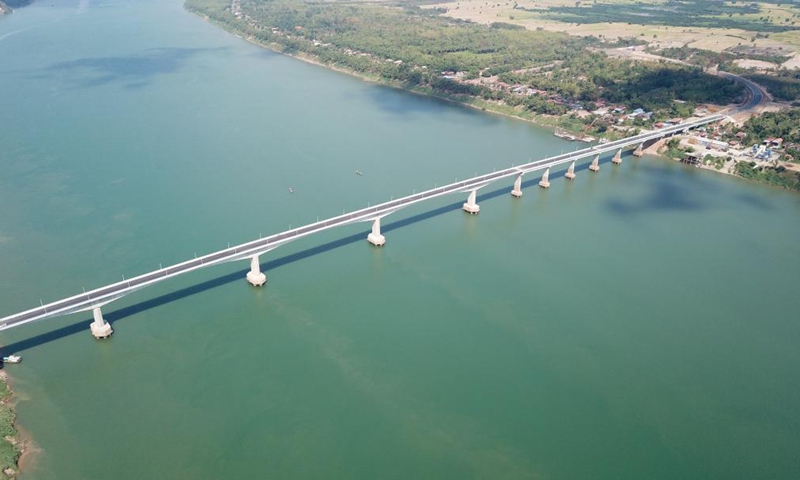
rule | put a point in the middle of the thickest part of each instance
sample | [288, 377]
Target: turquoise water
[638, 323]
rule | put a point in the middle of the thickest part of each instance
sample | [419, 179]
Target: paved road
[757, 93]
[103, 295]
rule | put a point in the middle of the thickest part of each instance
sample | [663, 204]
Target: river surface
[641, 323]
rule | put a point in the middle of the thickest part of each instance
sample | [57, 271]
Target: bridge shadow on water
[239, 275]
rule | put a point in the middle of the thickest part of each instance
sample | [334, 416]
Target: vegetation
[716, 162]
[496, 66]
[783, 86]
[675, 151]
[679, 13]
[721, 60]
[504, 68]
[784, 124]
[776, 176]
[412, 35]
[9, 453]
[653, 87]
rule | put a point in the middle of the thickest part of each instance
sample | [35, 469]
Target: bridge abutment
[595, 166]
[254, 276]
[570, 175]
[375, 236]
[100, 328]
[545, 181]
[517, 190]
[470, 206]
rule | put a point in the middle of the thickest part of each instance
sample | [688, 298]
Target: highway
[757, 93]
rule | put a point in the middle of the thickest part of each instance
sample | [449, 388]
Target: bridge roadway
[104, 295]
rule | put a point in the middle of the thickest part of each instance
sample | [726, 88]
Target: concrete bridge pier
[470, 206]
[100, 328]
[254, 276]
[617, 157]
[545, 181]
[570, 175]
[517, 191]
[639, 150]
[595, 166]
[375, 236]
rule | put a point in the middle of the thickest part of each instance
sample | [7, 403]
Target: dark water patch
[403, 106]
[133, 71]
[663, 195]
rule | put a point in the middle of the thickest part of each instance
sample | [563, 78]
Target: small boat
[291, 190]
[12, 359]
[358, 172]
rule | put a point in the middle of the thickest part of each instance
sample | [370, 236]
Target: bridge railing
[108, 293]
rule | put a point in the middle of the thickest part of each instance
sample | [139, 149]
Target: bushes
[779, 177]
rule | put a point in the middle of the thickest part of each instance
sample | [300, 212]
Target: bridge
[95, 299]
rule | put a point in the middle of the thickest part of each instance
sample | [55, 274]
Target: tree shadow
[406, 104]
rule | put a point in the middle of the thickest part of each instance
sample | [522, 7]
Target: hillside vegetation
[679, 13]
[495, 65]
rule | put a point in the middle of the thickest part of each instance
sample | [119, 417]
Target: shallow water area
[635, 323]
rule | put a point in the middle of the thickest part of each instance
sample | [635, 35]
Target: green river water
[641, 323]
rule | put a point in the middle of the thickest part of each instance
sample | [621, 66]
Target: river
[639, 323]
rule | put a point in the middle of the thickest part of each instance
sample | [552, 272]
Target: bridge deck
[106, 294]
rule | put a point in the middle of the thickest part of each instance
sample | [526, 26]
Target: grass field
[535, 14]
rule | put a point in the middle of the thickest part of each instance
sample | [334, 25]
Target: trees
[783, 124]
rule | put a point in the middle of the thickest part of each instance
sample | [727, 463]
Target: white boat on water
[12, 359]
[358, 172]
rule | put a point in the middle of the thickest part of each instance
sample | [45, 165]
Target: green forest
[678, 13]
[783, 124]
[653, 87]
[785, 85]
[422, 50]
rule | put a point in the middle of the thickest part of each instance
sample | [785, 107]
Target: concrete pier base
[570, 175]
[595, 166]
[545, 181]
[375, 236]
[470, 206]
[617, 160]
[254, 276]
[100, 328]
[517, 190]
[639, 150]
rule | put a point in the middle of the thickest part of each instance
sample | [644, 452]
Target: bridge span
[95, 299]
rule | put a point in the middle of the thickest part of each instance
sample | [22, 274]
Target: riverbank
[484, 106]
[549, 122]
[572, 123]
[11, 447]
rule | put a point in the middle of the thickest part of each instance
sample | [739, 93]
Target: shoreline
[484, 108]
[275, 47]
[13, 445]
